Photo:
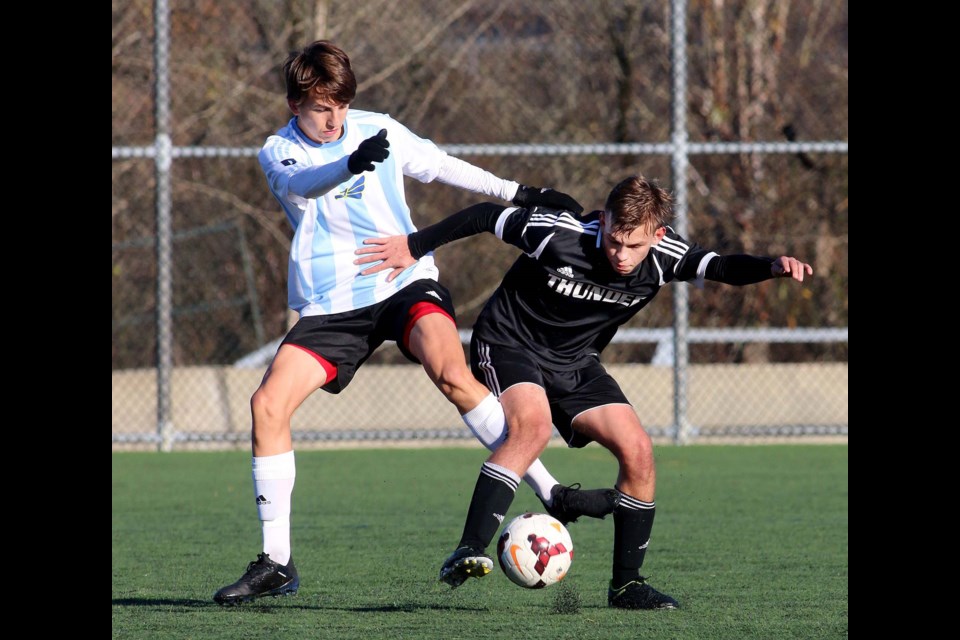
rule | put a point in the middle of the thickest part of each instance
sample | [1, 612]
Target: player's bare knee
[633, 448]
[527, 435]
[643, 444]
[542, 433]
[266, 408]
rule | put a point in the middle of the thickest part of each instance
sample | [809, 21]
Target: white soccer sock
[488, 424]
[273, 479]
[540, 480]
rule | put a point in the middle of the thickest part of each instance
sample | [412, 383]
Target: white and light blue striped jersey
[322, 278]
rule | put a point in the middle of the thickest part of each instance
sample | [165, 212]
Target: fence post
[678, 164]
[162, 161]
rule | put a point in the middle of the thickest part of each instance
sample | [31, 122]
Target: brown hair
[322, 67]
[636, 203]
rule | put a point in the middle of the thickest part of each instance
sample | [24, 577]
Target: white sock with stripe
[273, 480]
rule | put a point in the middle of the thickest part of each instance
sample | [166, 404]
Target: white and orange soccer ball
[535, 550]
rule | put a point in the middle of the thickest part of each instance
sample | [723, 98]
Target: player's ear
[294, 107]
[659, 233]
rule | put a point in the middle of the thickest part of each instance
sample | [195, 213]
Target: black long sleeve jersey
[561, 300]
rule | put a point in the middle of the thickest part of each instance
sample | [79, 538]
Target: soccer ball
[535, 550]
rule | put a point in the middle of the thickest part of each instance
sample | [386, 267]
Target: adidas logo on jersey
[566, 271]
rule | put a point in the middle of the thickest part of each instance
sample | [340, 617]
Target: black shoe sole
[664, 607]
[286, 590]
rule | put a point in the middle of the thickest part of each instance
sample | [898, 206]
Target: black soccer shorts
[348, 339]
[569, 392]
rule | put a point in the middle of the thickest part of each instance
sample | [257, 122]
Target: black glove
[370, 150]
[529, 196]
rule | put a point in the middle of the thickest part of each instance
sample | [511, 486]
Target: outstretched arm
[462, 174]
[399, 252]
[743, 269]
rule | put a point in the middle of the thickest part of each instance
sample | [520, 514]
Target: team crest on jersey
[353, 191]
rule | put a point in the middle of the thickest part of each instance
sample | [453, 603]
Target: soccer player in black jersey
[537, 344]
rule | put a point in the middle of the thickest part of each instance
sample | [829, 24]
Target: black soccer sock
[491, 500]
[632, 522]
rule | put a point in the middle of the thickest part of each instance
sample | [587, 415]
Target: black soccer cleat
[263, 577]
[637, 594]
[569, 503]
[465, 562]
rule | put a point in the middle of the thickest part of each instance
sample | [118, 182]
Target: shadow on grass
[163, 602]
[193, 603]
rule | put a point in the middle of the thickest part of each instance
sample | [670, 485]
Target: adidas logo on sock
[262, 500]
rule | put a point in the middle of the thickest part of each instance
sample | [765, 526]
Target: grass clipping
[566, 598]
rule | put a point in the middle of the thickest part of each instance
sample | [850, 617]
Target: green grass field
[752, 540]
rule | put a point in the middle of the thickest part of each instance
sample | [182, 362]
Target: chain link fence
[738, 107]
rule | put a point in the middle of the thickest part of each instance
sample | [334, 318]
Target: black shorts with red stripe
[346, 340]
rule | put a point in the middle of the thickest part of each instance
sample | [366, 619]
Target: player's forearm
[467, 222]
[314, 182]
[458, 173]
[739, 269]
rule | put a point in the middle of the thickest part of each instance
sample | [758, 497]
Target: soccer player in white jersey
[537, 345]
[338, 175]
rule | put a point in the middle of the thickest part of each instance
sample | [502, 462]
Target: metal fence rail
[672, 343]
